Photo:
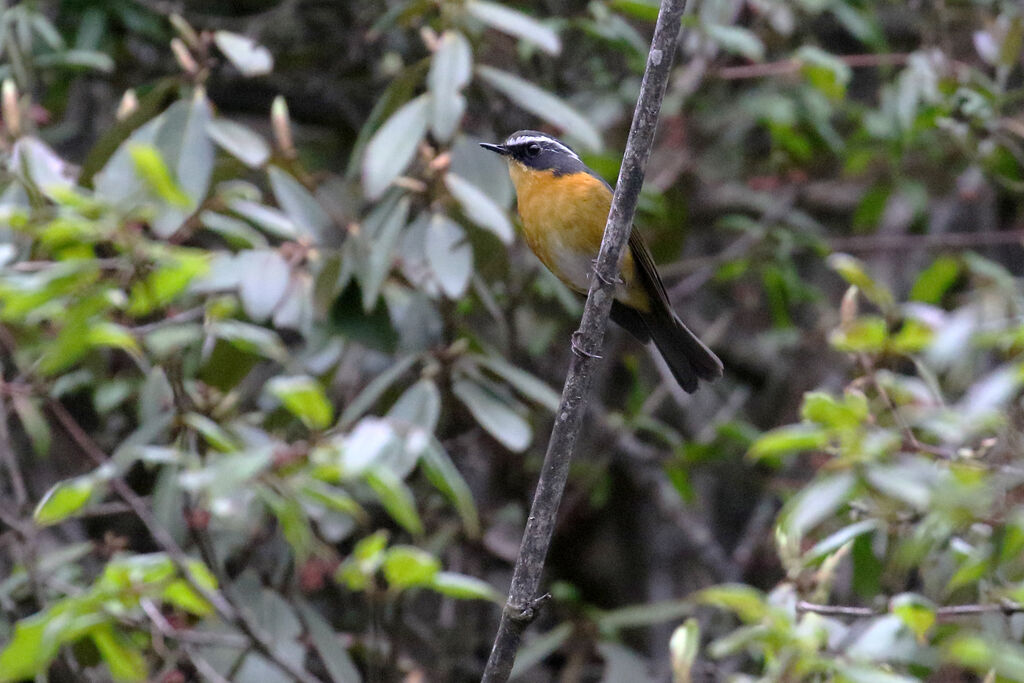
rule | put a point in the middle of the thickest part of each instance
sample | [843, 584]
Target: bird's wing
[647, 272]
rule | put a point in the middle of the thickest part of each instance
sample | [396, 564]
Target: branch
[947, 612]
[791, 66]
[522, 602]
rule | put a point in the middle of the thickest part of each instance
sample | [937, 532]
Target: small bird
[564, 206]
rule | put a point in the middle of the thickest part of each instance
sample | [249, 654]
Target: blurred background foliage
[277, 374]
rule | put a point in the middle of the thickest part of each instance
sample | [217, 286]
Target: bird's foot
[608, 281]
[578, 349]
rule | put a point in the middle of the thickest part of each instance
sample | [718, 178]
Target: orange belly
[563, 222]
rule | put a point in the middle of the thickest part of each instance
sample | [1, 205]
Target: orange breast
[563, 222]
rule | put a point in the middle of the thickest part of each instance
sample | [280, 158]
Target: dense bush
[277, 374]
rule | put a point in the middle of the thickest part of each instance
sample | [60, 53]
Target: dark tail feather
[687, 357]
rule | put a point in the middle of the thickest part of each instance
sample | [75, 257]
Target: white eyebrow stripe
[523, 139]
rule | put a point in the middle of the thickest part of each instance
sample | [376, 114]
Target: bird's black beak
[500, 149]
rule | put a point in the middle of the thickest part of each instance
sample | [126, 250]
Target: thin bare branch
[523, 599]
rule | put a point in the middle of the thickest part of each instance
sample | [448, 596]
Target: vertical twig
[523, 599]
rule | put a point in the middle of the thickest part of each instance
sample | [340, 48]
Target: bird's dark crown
[540, 152]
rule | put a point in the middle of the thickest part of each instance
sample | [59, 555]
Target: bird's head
[535, 151]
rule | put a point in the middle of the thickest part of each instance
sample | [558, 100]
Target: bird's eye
[532, 149]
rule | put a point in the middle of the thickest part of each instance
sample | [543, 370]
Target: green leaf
[189, 152]
[396, 498]
[154, 171]
[446, 478]
[746, 602]
[450, 71]
[464, 587]
[248, 56]
[333, 654]
[814, 504]
[787, 440]
[822, 408]
[406, 566]
[737, 40]
[239, 141]
[30, 650]
[213, 433]
[265, 279]
[66, 498]
[124, 659]
[480, 208]
[526, 384]
[381, 229]
[393, 146]
[836, 540]
[33, 422]
[826, 72]
[853, 271]
[515, 23]
[374, 390]
[683, 647]
[170, 276]
[271, 221]
[449, 255]
[935, 280]
[419, 405]
[543, 104]
[304, 398]
[301, 207]
[866, 334]
[916, 611]
[499, 417]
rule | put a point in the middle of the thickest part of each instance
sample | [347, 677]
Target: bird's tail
[687, 357]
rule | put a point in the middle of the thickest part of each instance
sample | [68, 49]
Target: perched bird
[564, 206]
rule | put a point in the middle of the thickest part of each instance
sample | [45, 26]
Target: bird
[564, 205]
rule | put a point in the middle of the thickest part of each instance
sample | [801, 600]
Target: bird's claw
[608, 281]
[579, 350]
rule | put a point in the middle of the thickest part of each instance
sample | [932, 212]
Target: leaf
[480, 208]
[264, 282]
[154, 171]
[826, 72]
[31, 648]
[464, 587]
[267, 219]
[450, 71]
[300, 206]
[374, 390]
[499, 418]
[789, 439]
[406, 566]
[329, 646]
[213, 433]
[737, 40]
[746, 602]
[33, 422]
[446, 478]
[65, 499]
[124, 659]
[682, 648]
[396, 498]
[393, 146]
[822, 408]
[189, 153]
[349, 319]
[239, 141]
[526, 384]
[853, 271]
[420, 405]
[543, 104]
[836, 540]
[304, 398]
[383, 228]
[815, 503]
[515, 23]
[916, 611]
[866, 334]
[540, 648]
[248, 56]
[449, 255]
[935, 280]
